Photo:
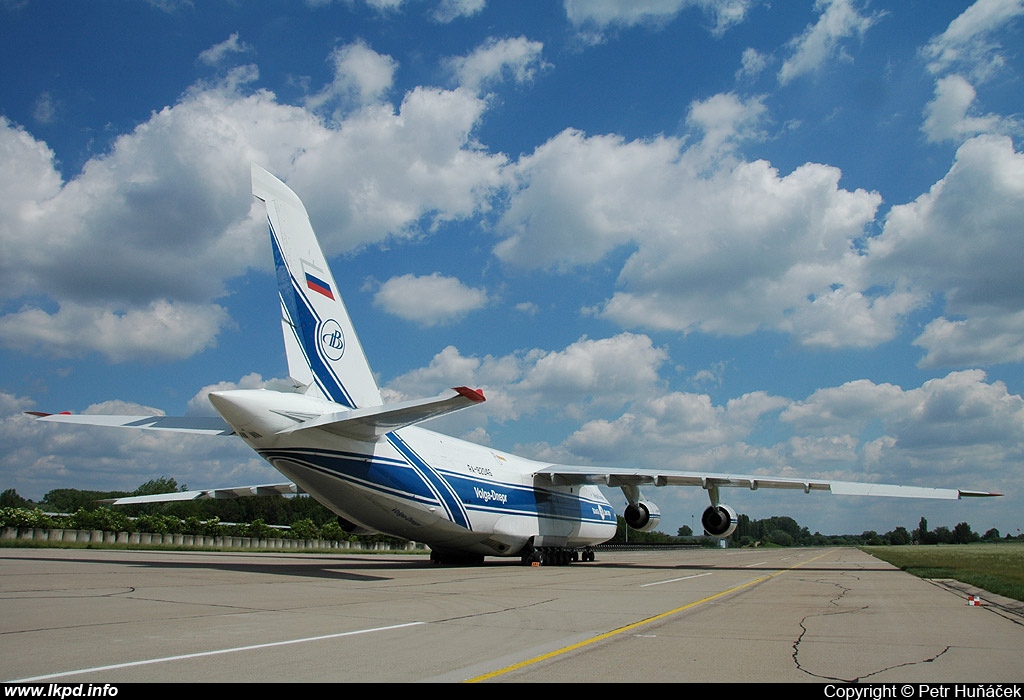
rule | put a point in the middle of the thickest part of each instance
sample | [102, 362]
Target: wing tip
[475, 395]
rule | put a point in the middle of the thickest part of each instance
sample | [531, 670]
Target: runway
[762, 616]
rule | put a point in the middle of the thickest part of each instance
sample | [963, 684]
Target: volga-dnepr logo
[332, 339]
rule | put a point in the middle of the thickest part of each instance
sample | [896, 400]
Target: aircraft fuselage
[412, 483]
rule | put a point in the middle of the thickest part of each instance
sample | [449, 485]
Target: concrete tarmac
[755, 616]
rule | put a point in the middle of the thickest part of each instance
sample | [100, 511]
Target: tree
[899, 536]
[962, 534]
[73, 500]
[305, 529]
[685, 531]
[870, 537]
[163, 484]
[781, 538]
[11, 499]
[921, 533]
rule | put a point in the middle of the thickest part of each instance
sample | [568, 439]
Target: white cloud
[361, 77]
[997, 338]
[216, 54]
[588, 373]
[119, 459]
[604, 14]
[129, 257]
[822, 41]
[968, 43]
[729, 252]
[946, 116]
[726, 121]
[429, 300]
[954, 240]
[517, 59]
[611, 369]
[450, 10]
[752, 64]
[163, 330]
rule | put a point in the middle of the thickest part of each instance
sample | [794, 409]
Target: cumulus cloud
[361, 77]
[119, 460]
[946, 116]
[129, 258]
[729, 252]
[429, 300]
[517, 59]
[954, 240]
[968, 44]
[164, 330]
[946, 423]
[982, 339]
[823, 40]
[589, 372]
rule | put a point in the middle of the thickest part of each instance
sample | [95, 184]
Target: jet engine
[643, 516]
[719, 520]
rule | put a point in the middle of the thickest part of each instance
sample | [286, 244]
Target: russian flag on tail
[318, 285]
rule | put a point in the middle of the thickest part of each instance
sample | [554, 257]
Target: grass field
[996, 568]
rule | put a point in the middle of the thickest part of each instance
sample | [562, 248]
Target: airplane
[372, 464]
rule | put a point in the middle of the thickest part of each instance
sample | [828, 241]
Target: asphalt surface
[755, 616]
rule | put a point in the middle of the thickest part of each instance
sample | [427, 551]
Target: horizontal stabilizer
[371, 423]
[565, 475]
[234, 492]
[202, 425]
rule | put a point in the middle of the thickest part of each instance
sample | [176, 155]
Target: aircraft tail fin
[323, 350]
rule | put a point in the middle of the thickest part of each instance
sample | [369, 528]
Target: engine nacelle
[719, 521]
[644, 516]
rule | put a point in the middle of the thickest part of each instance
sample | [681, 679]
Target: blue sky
[735, 236]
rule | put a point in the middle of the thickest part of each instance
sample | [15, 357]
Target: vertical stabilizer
[320, 342]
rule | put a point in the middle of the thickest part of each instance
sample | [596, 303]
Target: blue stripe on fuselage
[449, 499]
[463, 493]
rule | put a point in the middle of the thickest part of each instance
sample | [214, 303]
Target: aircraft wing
[558, 474]
[202, 425]
[372, 422]
[233, 492]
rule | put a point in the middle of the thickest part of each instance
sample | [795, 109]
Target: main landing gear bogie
[557, 556]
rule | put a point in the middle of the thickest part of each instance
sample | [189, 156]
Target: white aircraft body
[334, 438]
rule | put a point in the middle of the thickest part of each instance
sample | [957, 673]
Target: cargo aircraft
[335, 439]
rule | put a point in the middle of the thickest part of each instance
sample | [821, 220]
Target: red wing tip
[471, 394]
[40, 414]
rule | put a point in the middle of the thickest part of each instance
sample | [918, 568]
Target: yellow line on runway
[630, 627]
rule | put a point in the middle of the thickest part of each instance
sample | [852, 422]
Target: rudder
[321, 344]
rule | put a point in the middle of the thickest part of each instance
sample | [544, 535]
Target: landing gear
[556, 556]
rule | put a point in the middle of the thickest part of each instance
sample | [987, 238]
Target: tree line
[297, 517]
[784, 531]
